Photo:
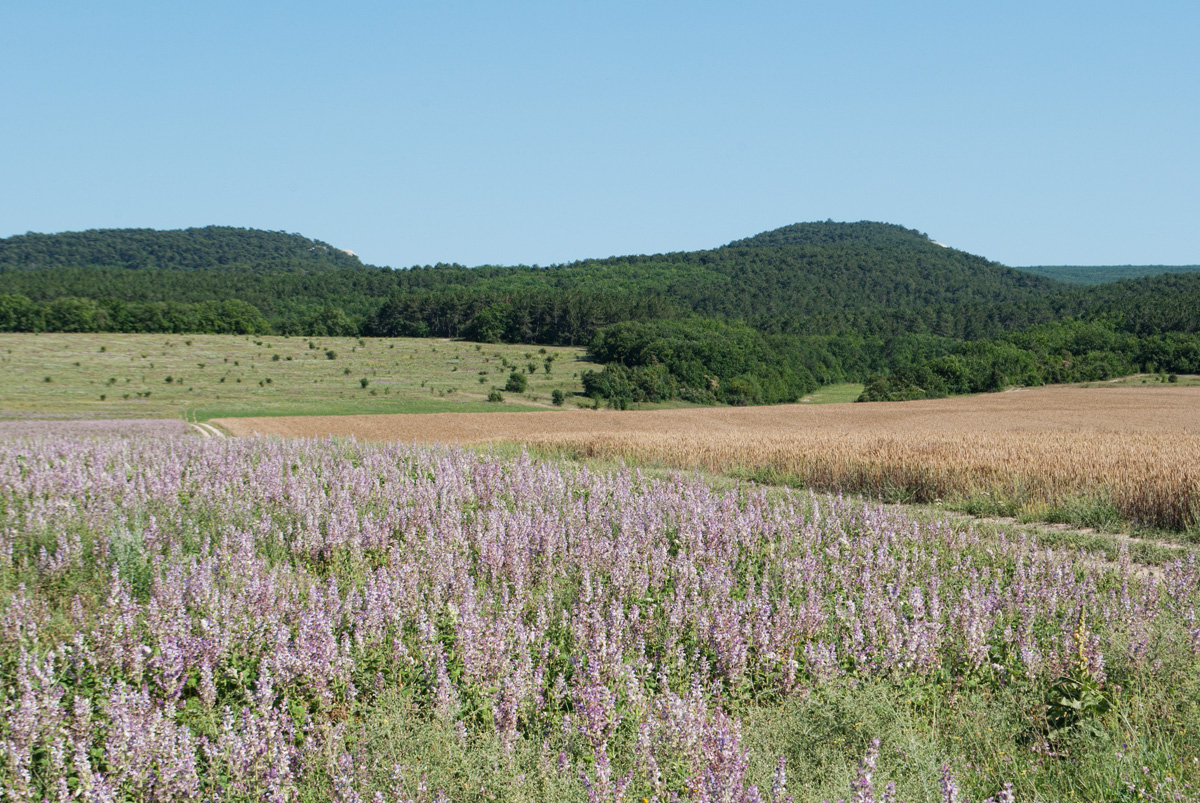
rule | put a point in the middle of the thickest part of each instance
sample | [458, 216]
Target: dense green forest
[182, 249]
[761, 320]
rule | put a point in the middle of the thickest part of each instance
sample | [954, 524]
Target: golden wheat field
[1134, 450]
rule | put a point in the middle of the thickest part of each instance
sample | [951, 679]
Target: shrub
[495, 396]
[516, 382]
[557, 397]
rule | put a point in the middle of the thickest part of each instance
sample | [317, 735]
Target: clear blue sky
[415, 132]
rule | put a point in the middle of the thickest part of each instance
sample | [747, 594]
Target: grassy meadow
[206, 376]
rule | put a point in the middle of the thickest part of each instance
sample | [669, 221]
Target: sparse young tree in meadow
[516, 382]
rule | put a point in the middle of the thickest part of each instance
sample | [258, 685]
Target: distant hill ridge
[833, 233]
[208, 247]
[809, 279]
[1104, 274]
[177, 249]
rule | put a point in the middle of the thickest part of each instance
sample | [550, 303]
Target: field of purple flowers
[251, 620]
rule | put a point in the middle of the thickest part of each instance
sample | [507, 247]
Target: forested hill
[864, 232]
[874, 278]
[183, 249]
[821, 278]
[763, 319]
[817, 278]
[909, 256]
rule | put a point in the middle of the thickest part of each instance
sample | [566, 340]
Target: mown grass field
[1103, 456]
[205, 376]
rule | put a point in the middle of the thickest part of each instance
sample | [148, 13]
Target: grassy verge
[1125, 754]
[1079, 512]
[1094, 530]
[834, 394]
[1181, 380]
[414, 407]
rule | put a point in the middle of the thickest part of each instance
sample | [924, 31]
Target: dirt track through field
[207, 430]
